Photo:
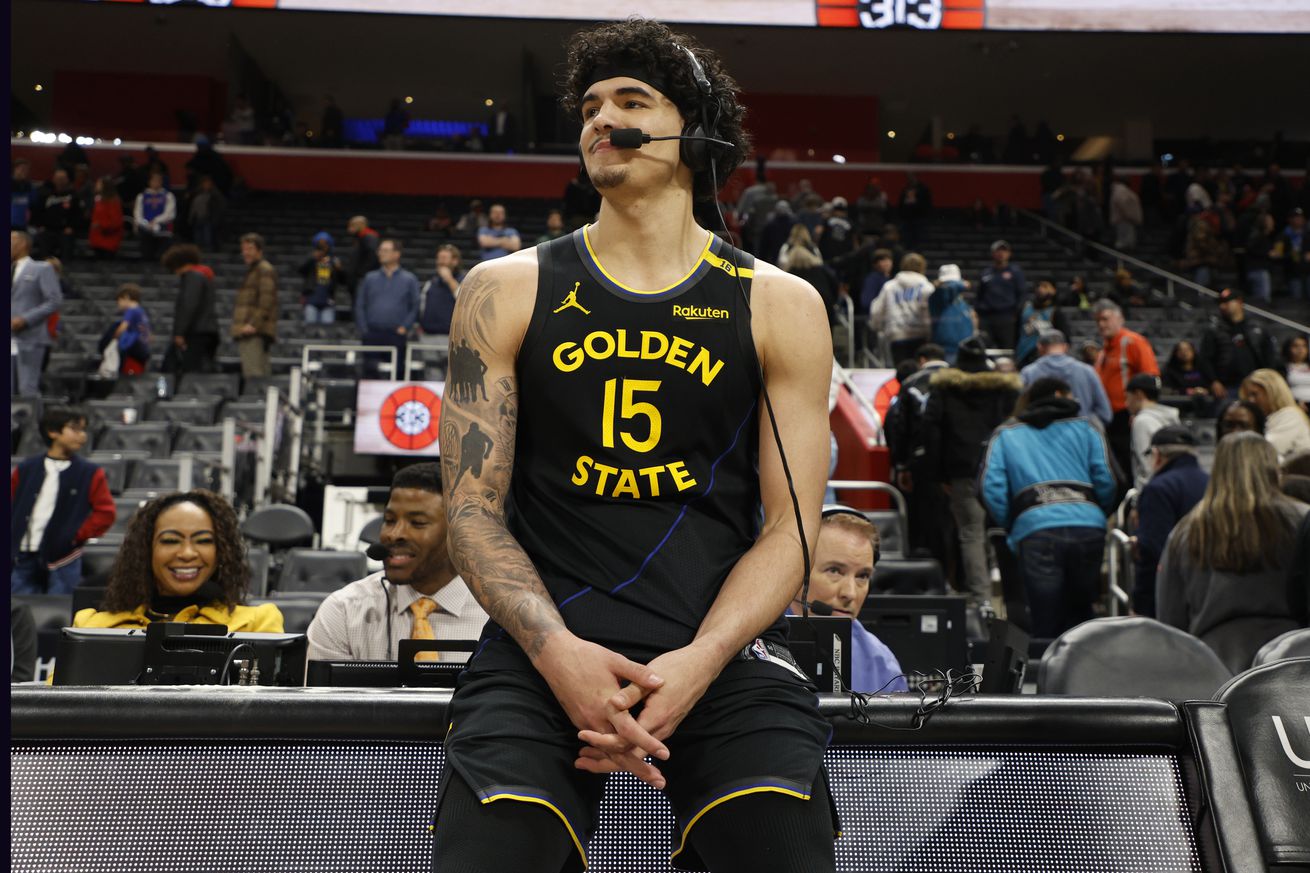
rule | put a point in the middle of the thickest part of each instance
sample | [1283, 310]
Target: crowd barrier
[205, 779]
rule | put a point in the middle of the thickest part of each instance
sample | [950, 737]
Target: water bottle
[161, 387]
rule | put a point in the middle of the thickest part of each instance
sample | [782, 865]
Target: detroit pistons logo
[409, 417]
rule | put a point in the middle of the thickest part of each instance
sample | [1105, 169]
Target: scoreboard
[1212, 16]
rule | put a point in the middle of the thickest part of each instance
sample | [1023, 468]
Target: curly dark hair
[644, 44]
[132, 581]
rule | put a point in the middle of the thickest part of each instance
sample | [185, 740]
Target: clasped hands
[586, 679]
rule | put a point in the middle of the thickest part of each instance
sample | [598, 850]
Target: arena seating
[1130, 656]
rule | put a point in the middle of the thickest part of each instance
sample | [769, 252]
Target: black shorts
[756, 729]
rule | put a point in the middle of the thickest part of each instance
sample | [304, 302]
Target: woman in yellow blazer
[183, 559]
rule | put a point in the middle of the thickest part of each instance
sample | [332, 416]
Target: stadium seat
[1293, 644]
[260, 562]
[224, 385]
[186, 410]
[255, 386]
[152, 437]
[371, 534]
[101, 414]
[199, 438]
[126, 506]
[97, 560]
[891, 543]
[320, 570]
[117, 469]
[158, 474]
[297, 609]
[279, 526]
[908, 576]
[145, 388]
[244, 410]
[1130, 656]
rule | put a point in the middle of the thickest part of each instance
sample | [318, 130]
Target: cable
[223, 678]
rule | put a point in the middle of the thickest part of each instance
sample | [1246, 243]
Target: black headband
[615, 69]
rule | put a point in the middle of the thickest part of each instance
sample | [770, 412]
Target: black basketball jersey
[635, 486]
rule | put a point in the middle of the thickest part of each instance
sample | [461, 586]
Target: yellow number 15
[630, 410]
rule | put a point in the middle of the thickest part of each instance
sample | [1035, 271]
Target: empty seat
[145, 388]
[159, 474]
[1293, 644]
[199, 438]
[297, 609]
[908, 576]
[891, 542]
[279, 526]
[188, 410]
[152, 437]
[244, 410]
[116, 469]
[260, 561]
[126, 506]
[112, 411]
[1130, 656]
[224, 385]
[320, 570]
[97, 560]
[255, 386]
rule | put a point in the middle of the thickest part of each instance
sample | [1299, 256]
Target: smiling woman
[183, 560]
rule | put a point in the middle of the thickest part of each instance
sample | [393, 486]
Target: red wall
[507, 176]
[788, 125]
[134, 105]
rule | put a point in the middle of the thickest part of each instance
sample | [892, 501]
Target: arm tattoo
[478, 426]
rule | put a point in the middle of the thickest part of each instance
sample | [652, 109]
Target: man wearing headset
[416, 595]
[614, 533]
[844, 559]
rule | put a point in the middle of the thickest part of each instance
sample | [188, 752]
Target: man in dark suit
[34, 296]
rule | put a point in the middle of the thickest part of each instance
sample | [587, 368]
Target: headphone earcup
[695, 154]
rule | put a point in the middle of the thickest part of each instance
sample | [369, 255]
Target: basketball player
[614, 533]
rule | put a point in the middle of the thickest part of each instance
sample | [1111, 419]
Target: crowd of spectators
[993, 404]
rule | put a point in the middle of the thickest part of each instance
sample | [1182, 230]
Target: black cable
[223, 678]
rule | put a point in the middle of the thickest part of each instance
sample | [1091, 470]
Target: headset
[831, 509]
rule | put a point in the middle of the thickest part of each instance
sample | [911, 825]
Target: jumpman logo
[572, 301]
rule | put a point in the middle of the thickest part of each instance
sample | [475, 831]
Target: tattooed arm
[479, 419]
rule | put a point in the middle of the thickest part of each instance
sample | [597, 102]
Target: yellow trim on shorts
[552, 807]
[682, 844]
[704, 255]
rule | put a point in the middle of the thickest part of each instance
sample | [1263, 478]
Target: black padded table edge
[41, 713]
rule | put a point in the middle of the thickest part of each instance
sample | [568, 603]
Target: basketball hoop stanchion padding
[274, 779]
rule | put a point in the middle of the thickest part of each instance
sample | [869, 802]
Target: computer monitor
[175, 654]
[925, 632]
[405, 672]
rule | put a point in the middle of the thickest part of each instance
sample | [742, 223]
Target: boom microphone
[378, 552]
[635, 138]
[818, 607]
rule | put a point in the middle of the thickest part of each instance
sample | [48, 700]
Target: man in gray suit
[34, 296]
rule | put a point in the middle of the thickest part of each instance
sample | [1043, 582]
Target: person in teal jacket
[1049, 478]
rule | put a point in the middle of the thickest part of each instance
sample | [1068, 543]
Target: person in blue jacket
[1048, 477]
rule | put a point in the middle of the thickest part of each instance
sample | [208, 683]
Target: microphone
[635, 137]
[378, 552]
[818, 607]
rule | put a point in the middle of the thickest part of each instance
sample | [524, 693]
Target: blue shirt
[873, 666]
[138, 328]
[503, 233]
[386, 302]
[1086, 385]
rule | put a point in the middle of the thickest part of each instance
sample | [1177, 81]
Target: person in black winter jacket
[905, 439]
[1175, 486]
[1233, 347]
[967, 402]
[195, 321]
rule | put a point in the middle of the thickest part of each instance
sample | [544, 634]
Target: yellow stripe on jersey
[682, 843]
[552, 807]
[704, 256]
[726, 266]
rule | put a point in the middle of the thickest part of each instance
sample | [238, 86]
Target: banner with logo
[398, 418]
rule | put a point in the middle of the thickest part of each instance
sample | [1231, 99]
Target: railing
[1120, 554]
[1171, 280]
[864, 403]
